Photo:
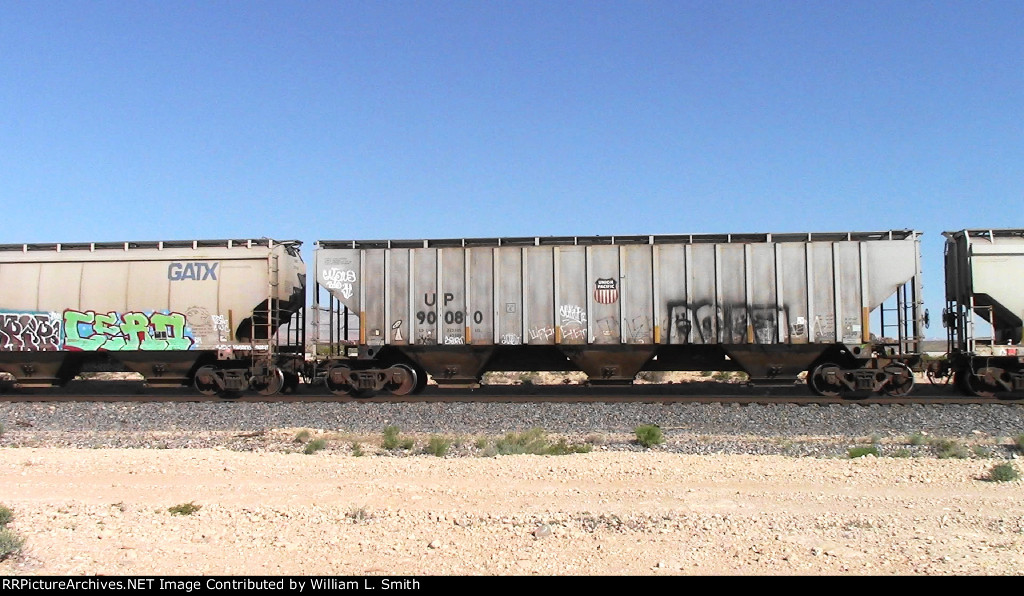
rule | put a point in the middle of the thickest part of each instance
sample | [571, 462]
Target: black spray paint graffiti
[32, 332]
[705, 323]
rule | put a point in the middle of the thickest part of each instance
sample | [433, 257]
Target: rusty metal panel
[539, 295]
[480, 310]
[822, 294]
[371, 317]
[397, 314]
[571, 290]
[509, 295]
[603, 300]
[704, 314]
[731, 292]
[452, 295]
[637, 294]
[673, 322]
[426, 326]
[791, 261]
[849, 314]
[765, 311]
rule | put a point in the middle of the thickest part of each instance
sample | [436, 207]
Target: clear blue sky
[379, 119]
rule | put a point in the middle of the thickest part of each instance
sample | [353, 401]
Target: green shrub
[902, 453]
[6, 516]
[1018, 442]
[535, 442]
[314, 446]
[855, 452]
[438, 446]
[185, 508]
[357, 449]
[649, 435]
[532, 441]
[564, 448]
[918, 439]
[481, 443]
[302, 436]
[949, 449]
[390, 437]
[10, 544]
[1004, 472]
[408, 443]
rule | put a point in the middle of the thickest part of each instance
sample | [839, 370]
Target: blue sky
[380, 119]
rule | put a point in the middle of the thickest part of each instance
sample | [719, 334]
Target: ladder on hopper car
[907, 340]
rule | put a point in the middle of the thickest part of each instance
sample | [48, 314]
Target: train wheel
[270, 384]
[818, 380]
[975, 385]
[204, 380]
[334, 380]
[291, 383]
[407, 380]
[421, 381]
[901, 380]
[337, 381]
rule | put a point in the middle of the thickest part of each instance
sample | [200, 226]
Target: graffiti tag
[29, 332]
[91, 331]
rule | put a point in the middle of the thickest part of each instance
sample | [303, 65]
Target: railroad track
[697, 392]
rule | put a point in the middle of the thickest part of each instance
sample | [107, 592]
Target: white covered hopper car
[224, 315]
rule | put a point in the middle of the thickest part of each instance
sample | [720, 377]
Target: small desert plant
[562, 447]
[357, 449]
[302, 436]
[6, 516]
[1004, 472]
[390, 440]
[532, 441]
[10, 543]
[649, 435]
[438, 446]
[901, 453]
[535, 442]
[949, 449]
[358, 514]
[918, 439]
[1018, 441]
[314, 446]
[855, 452]
[185, 508]
[481, 442]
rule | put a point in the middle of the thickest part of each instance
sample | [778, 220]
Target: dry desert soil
[108, 511]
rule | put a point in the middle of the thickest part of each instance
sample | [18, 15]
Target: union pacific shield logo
[606, 291]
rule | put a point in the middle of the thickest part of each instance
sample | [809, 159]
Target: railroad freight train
[227, 316]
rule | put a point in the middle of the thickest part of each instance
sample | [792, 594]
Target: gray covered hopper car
[772, 305]
[205, 312]
[984, 269]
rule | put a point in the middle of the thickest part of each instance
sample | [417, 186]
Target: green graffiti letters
[91, 331]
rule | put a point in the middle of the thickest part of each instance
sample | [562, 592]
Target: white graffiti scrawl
[572, 313]
[337, 278]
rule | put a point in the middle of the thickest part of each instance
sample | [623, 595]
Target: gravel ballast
[95, 489]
